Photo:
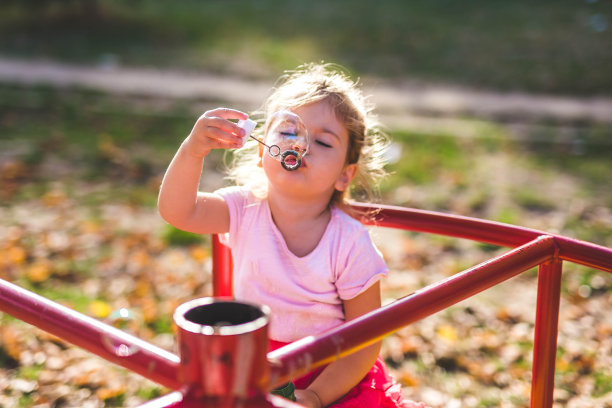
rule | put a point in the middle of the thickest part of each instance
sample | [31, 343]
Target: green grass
[62, 292]
[603, 384]
[425, 157]
[532, 199]
[104, 136]
[177, 237]
[58, 119]
[25, 400]
[584, 149]
[30, 372]
[118, 139]
[149, 393]
[557, 47]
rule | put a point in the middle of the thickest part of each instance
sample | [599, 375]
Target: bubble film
[287, 139]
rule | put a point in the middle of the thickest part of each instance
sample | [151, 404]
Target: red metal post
[221, 269]
[309, 353]
[93, 335]
[546, 328]
[223, 347]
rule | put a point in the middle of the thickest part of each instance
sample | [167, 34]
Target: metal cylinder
[222, 346]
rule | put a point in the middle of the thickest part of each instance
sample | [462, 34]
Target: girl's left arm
[339, 377]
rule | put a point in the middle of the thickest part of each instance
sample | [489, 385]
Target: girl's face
[287, 139]
[324, 167]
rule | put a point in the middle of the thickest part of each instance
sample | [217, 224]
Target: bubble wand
[288, 130]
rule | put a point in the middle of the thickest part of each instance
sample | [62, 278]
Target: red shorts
[376, 389]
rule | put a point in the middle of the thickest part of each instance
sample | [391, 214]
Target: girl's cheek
[268, 162]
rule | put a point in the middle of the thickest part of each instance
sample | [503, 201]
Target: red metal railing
[530, 248]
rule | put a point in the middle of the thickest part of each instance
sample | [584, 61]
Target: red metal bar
[534, 248]
[104, 340]
[176, 400]
[546, 329]
[221, 269]
[585, 253]
[309, 353]
[172, 400]
[581, 252]
[492, 232]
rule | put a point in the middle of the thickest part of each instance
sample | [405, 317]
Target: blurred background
[499, 110]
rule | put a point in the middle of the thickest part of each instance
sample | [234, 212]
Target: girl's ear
[347, 175]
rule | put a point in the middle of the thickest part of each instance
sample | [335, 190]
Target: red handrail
[312, 352]
[531, 248]
[480, 230]
[91, 334]
[307, 354]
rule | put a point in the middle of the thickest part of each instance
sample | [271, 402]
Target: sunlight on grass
[504, 45]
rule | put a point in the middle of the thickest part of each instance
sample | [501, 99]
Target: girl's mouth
[290, 160]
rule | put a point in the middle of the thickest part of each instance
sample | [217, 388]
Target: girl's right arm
[179, 201]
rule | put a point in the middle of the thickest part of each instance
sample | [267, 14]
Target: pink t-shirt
[304, 293]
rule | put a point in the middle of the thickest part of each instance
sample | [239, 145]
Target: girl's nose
[300, 149]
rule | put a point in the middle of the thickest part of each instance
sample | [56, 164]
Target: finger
[225, 125]
[221, 136]
[226, 113]
[224, 144]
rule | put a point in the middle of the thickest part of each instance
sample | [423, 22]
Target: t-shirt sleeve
[236, 199]
[362, 266]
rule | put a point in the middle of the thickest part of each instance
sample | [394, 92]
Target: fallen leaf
[54, 198]
[16, 254]
[99, 309]
[447, 333]
[199, 253]
[107, 393]
[38, 272]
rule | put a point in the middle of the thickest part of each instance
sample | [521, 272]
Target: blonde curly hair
[312, 83]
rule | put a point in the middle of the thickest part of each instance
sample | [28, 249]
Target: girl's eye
[322, 143]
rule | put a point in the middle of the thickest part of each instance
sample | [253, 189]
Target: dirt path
[396, 102]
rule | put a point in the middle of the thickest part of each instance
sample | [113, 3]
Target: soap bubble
[287, 139]
[125, 320]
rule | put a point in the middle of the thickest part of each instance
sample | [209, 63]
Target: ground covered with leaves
[102, 258]
[78, 224]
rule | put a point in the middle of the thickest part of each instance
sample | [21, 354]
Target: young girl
[294, 245]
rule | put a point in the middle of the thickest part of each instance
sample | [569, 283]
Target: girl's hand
[213, 130]
[308, 398]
